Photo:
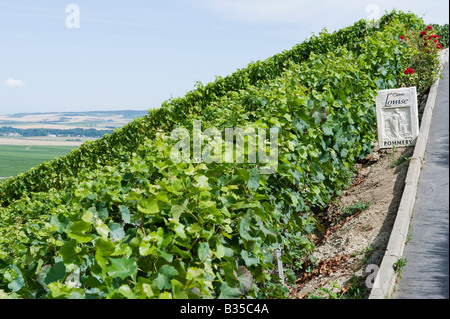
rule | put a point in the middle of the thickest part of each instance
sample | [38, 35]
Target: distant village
[9, 131]
[15, 134]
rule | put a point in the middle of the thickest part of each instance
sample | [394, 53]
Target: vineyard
[118, 218]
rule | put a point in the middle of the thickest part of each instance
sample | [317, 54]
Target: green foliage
[117, 147]
[398, 266]
[335, 292]
[443, 32]
[424, 45]
[354, 289]
[356, 208]
[398, 161]
[117, 218]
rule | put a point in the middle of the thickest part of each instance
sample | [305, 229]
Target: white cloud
[12, 83]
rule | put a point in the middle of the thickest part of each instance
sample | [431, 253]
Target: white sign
[397, 117]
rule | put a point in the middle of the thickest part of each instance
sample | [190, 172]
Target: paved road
[426, 273]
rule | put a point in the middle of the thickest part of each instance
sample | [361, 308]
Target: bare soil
[356, 238]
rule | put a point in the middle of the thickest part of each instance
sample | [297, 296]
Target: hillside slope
[121, 218]
[118, 146]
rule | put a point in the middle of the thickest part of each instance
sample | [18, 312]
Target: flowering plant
[443, 31]
[425, 46]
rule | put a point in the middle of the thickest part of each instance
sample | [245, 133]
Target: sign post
[397, 117]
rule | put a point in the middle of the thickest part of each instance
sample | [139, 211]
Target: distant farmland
[102, 120]
[15, 159]
[28, 139]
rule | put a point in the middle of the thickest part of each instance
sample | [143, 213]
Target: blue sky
[136, 54]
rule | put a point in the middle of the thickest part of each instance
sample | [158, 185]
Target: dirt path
[355, 238]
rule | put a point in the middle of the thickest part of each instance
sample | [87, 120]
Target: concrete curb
[384, 283]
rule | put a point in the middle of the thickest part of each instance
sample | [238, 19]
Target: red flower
[428, 51]
[409, 71]
[430, 37]
[423, 33]
[439, 46]
[435, 41]
[425, 44]
[430, 27]
[402, 37]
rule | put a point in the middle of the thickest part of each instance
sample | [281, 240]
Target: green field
[15, 159]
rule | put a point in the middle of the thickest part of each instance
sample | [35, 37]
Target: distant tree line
[75, 132]
[130, 114]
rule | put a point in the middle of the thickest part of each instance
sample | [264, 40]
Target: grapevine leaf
[78, 231]
[253, 181]
[122, 267]
[203, 251]
[104, 247]
[57, 272]
[68, 251]
[125, 213]
[165, 274]
[227, 292]
[117, 231]
[245, 279]
[149, 206]
[18, 282]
